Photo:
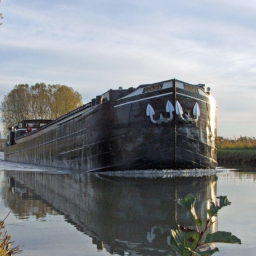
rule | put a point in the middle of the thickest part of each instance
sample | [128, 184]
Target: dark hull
[118, 135]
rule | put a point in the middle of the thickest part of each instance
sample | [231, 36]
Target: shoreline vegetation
[236, 151]
[5, 243]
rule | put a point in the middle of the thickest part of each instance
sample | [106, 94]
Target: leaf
[223, 201]
[184, 242]
[191, 253]
[222, 237]
[177, 240]
[208, 252]
[188, 202]
[191, 239]
[213, 209]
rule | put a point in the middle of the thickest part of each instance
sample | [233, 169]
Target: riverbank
[236, 156]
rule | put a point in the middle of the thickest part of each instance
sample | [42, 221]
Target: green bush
[187, 242]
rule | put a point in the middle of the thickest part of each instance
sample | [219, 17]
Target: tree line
[236, 143]
[39, 101]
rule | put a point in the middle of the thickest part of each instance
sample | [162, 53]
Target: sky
[97, 45]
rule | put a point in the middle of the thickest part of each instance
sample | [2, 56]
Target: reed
[236, 151]
[236, 143]
[5, 240]
[236, 156]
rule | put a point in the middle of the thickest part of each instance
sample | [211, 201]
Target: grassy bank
[236, 151]
[236, 156]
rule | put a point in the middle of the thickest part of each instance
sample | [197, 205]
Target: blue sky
[96, 45]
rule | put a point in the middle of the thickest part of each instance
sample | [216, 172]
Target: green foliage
[189, 203]
[223, 201]
[187, 242]
[222, 237]
[237, 156]
[184, 242]
[240, 150]
[208, 252]
[214, 208]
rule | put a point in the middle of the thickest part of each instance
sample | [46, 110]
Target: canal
[55, 212]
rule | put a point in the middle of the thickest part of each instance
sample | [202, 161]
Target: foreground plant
[5, 243]
[187, 242]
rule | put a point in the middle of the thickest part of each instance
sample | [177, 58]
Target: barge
[165, 125]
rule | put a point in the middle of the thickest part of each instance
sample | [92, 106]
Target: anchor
[150, 235]
[169, 109]
[184, 116]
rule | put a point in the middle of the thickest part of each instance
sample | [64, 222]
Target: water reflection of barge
[166, 125]
[121, 214]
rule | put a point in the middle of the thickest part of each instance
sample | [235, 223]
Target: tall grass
[236, 150]
[236, 143]
[5, 240]
[236, 156]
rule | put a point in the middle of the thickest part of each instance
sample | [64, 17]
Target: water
[58, 213]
